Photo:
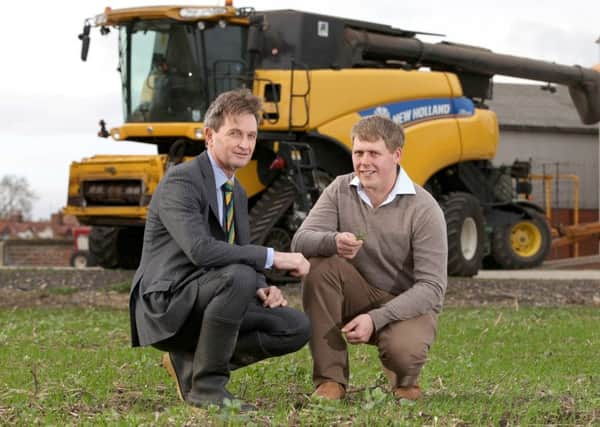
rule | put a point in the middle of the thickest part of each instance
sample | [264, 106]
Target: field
[508, 364]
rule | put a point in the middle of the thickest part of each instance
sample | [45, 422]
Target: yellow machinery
[317, 76]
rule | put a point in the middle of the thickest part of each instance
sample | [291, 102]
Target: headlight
[118, 192]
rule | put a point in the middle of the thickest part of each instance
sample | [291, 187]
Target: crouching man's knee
[324, 271]
[240, 280]
[297, 332]
[404, 345]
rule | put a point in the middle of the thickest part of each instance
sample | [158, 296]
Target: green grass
[121, 287]
[488, 367]
[63, 290]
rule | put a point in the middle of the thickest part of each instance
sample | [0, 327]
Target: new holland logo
[407, 112]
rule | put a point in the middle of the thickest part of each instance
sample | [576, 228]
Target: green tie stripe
[228, 211]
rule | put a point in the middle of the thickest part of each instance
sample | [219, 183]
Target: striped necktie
[228, 211]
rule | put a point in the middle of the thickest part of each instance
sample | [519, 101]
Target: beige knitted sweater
[404, 252]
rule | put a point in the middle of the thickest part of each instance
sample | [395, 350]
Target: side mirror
[85, 41]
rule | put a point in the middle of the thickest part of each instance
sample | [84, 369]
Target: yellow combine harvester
[317, 75]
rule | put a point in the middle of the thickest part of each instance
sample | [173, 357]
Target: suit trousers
[263, 332]
[334, 292]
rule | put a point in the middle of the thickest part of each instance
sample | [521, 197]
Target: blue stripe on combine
[422, 109]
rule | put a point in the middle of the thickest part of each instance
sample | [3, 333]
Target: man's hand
[271, 297]
[359, 329]
[294, 262]
[347, 245]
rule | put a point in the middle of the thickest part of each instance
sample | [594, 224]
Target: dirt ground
[21, 288]
[94, 287]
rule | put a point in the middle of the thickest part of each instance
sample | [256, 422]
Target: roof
[528, 107]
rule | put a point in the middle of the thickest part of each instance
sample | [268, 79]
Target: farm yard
[508, 352]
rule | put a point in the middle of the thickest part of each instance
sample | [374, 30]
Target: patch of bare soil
[92, 287]
[478, 292]
[109, 288]
[11, 298]
[27, 279]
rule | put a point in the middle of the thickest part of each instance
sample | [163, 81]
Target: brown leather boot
[409, 393]
[166, 362]
[330, 390]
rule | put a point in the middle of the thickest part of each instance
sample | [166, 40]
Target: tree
[16, 196]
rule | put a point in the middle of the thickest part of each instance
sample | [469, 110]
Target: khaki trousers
[333, 293]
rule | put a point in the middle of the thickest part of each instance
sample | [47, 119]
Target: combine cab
[317, 76]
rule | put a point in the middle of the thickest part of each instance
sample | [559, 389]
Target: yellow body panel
[248, 177]
[133, 130]
[429, 147]
[339, 129]
[128, 212]
[454, 84]
[128, 159]
[479, 135]
[147, 168]
[282, 107]
[337, 93]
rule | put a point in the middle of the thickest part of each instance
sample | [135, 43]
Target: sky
[51, 101]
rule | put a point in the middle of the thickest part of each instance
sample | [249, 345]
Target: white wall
[575, 153]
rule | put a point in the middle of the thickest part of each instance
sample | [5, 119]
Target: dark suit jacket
[184, 239]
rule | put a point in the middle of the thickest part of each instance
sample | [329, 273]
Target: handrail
[304, 95]
[548, 192]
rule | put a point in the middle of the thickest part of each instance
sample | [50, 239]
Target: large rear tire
[116, 247]
[464, 221]
[522, 243]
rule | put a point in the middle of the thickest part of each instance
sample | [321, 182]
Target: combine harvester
[317, 76]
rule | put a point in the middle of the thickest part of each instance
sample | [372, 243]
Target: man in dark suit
[199, 292]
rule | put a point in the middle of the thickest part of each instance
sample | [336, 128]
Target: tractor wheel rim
[468, 238]
[526, 239]
[80, 262]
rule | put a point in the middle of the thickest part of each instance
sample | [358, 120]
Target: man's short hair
[371, 128]
[232, 103]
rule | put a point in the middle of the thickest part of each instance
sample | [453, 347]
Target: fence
[568, 192]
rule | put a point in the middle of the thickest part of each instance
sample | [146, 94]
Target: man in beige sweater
[378, 252]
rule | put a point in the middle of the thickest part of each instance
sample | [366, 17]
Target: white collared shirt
[403, 185]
